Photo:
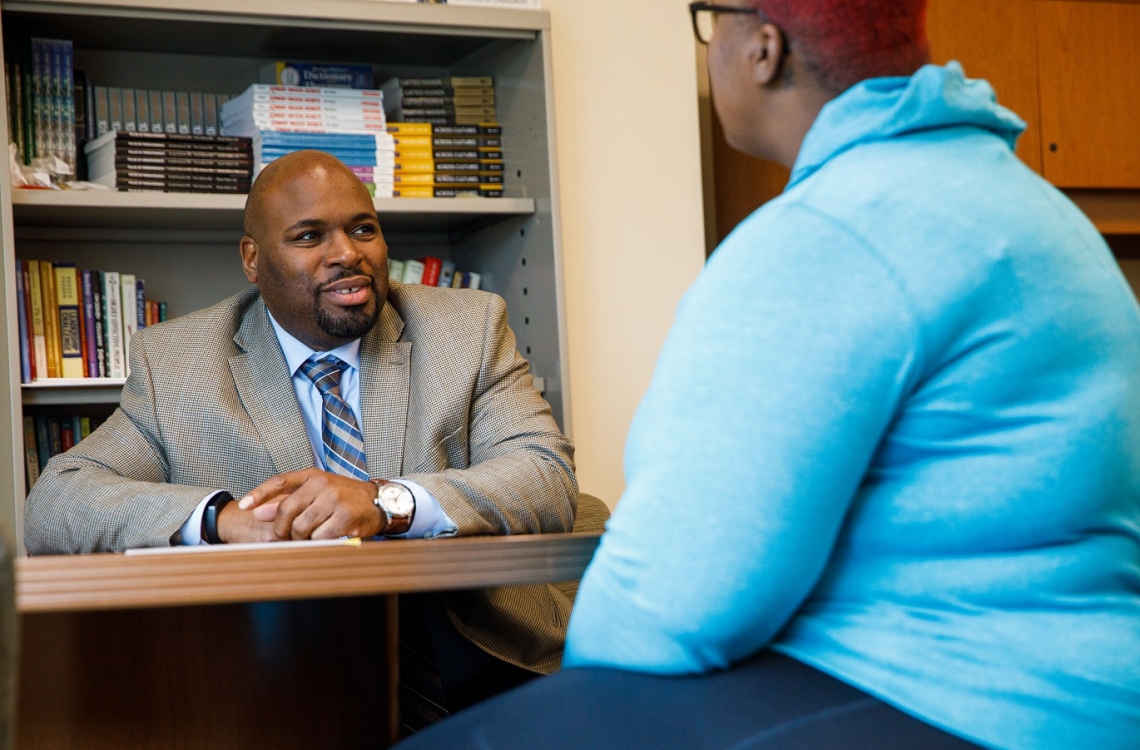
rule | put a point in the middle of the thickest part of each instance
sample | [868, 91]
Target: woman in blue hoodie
[884, 490]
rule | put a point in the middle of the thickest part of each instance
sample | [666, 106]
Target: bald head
[313, 246]
[280, 173]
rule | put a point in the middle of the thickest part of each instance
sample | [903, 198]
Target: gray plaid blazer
[446, 401]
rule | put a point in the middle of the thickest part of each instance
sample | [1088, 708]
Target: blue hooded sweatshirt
[894, 433]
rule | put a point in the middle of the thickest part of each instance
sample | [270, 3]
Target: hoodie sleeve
[784, 367]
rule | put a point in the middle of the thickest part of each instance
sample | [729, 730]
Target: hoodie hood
[881, 108]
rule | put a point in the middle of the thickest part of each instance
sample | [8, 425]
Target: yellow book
[462, 91]
[411, 153]
[415, 178]
[460, 82]
[414, 191]
[51, 320]
[67, 300]
[39, 343]
[84, 427]
[409, 128]
[413, 141]
[417, 165]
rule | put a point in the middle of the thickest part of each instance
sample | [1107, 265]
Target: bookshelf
[185, 245]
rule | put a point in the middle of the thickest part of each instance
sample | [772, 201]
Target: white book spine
[413, 272]
[113, 324]
[130, 321]
[395, 270]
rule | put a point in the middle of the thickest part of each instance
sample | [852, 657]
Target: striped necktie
[344, 444]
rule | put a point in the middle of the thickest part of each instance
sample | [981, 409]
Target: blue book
[89, 314]
[140, 302]
[22, 326]
[43, 440]
[319, 75]
[55, 439]
[351, 158]
[315, 140]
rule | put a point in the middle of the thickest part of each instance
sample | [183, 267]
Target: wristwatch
[397, 507]
[210, 517]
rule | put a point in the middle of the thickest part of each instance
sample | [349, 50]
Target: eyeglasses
[704, 18]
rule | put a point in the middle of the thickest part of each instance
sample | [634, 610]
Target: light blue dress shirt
[429, 521]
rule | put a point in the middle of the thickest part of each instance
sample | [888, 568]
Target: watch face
[397, 499]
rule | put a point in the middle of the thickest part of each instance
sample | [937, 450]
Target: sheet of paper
[342, 542]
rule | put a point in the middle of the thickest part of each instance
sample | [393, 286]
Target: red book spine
[432, 267]
[66, 435]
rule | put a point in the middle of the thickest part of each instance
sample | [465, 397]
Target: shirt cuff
[429, 521]
[192, 529]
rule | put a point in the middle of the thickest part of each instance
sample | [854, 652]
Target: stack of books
[432, 271]
[40, 82]
[468, 100]
[447, 161]
[146, 111]
[171, 163]
[447, 138]
[76, 323]
[350, 124]
[46, 436]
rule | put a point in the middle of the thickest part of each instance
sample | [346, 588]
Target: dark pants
[769, 701]
[441, 672]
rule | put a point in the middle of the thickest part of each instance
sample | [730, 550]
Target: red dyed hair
[847, 41]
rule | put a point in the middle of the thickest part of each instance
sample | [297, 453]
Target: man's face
[320, 261]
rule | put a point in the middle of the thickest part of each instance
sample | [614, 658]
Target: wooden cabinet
[1070, 69]
[994, 41]
[1089, 78]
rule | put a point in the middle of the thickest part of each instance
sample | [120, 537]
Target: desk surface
[109, 581]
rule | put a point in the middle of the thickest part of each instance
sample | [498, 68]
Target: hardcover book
[67, 299]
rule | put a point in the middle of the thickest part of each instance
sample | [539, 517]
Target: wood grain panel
[1114, 212]
[288, 676]
[84, 582]
[1090, 93]
[995, 41]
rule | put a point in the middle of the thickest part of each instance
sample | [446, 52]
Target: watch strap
[210, 516]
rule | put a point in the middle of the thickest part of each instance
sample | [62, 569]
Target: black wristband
[210, 517]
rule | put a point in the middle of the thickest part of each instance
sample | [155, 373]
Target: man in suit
[329, 402]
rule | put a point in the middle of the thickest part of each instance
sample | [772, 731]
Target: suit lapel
[385, 385]
[266, 390]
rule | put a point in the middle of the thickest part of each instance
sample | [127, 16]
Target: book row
[432, 271]
[40, 86]
[46, 436]
[171, 163]
[147, 111]
[442, 101]
[77, 323]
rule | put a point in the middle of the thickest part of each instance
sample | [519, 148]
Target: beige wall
[629, 162]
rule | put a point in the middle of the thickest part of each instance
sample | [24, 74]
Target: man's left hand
[315, 504]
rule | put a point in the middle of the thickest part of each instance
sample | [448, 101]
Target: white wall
[629, 161]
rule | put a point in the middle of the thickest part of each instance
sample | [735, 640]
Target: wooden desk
[284, 648]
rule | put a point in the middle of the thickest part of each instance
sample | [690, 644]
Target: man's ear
[766, 51]
[249, 252]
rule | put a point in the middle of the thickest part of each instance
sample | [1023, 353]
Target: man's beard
[347, 323]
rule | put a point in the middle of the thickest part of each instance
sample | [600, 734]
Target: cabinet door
[1090, 93]
[995, 41]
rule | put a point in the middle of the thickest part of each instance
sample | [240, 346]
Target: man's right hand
[236, 526]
